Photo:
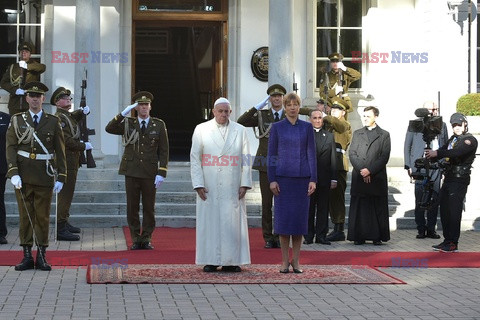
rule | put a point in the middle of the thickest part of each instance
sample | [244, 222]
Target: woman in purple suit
[292, 173]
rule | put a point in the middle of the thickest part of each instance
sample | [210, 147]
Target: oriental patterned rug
[251, 274]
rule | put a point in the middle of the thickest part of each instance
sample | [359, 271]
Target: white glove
[20, 92]
[128, 109]
[263, 103]
[88, 146]
[16, 181]
[86, 110]
[341, 66]
[338, 89]
[158, 181]
[58, 186]
[23, 64]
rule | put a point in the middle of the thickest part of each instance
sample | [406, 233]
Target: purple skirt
[291, 206]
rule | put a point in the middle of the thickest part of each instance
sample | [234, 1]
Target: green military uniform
[349, 76]
[26, 158]
[145, 156]
[73, 146]
[342, 133]
[263, 120]
[13, 77]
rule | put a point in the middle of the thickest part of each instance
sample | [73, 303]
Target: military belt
[35, 156]
[340, 150]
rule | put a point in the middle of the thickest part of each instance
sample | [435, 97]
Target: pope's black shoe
[72, 229]
[41, 260]
[210, 268]
[64, 235]
[231, 269]
[27, 261]
[147, 246]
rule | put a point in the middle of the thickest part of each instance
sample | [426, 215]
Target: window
[20, 20]
[338, 29]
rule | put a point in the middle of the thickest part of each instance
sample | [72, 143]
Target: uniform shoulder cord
[263, 132]
[22, 137]
[129, 138]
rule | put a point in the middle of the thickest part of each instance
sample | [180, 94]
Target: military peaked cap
[142, 97]
[25, 46]
[335, 57]
[276, 89]
[458, 118]
[35, 87]
[338, 103]
[59, 93]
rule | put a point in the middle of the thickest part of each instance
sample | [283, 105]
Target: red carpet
[257, 274]
[177, 246]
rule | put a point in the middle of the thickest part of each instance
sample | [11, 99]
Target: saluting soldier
[339, 80]
[35, 144]
[12, 78]
[144, 164]
[73, 146]
[342, 133]
[263, 120]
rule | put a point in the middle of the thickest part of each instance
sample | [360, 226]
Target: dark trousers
[65, 197]
[337, 199]
[318, 213]
[38, 202]
[452, 196]
[432, 213]
[146, 188]
[267, 203]
[3, 213]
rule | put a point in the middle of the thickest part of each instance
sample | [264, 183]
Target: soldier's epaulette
[158, 120]
[49, 114]
[19, 113]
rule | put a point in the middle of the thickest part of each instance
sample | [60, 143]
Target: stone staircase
[100, 200]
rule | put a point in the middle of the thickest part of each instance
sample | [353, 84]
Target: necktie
[277, 118]
[35, 120]
[143, 126]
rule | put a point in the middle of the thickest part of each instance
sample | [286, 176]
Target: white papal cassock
[216, 164]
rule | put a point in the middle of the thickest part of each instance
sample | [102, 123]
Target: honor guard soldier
[342, 132]
[73, 146]
[339, 80]
[144, 164]
[263, 120]
[26, 70]
[459, 154]
[35, 145]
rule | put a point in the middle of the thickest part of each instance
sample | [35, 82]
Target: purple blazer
[291, 151]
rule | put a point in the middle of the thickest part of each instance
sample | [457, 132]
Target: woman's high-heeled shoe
[285, 270]
[295, 270]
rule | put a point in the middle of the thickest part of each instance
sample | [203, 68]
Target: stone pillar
[87, 40]
[280, 43]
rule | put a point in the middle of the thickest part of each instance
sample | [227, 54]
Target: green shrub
[469, 104]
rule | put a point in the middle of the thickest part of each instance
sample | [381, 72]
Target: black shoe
[449, 247]
[377, 242]
[438, 246]
[276, 244]
[295, 270]
[65, 235]
[147, 246]
[210, 268]
[27, 261]
[72, 229]
[421, 234]
[136, 246]
[308, 241]
[41, 260]
[432, 234]
[359, 242]
[3, 240]
[322, 241]
[269, 245]
[231, 269]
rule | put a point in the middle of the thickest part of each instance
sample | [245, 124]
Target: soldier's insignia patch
[468, 142]
[10, 165]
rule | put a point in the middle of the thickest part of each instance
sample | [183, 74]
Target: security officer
[263, 120]
[342, 132]
[459, 153]
[34, 145]
[26, 68]
[73, 146]
[144, 164]
[4, 121]
[339, 80]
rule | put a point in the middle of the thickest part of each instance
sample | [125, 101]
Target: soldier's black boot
[27, 261]
[63, 234]
[41, 260]
[337, 234]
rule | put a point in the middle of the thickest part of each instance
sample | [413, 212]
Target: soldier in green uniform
[12, 78]
[263, 120]
[144, 164]
[342, 132]
[35, 144]
[73, 146]
[339, 80]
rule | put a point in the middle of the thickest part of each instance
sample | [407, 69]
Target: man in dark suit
[263, 119]
[326, 180]
[414, 148]
[4, 121]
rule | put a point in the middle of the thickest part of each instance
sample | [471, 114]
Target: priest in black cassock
[368, 217]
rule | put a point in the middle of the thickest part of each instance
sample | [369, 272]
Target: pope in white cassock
[221, 182]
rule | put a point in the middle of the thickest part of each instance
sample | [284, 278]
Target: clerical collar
[317, 129]
[371, 128]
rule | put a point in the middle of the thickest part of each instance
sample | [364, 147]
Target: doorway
[182, 65]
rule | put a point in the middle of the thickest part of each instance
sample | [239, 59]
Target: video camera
[427, 124]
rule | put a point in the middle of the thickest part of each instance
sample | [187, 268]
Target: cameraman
[414, 148]
[459, 153]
